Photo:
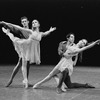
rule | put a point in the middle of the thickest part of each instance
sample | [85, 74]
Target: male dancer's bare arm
[62, 48]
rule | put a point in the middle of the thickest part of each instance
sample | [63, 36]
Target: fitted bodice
[70, 49]
[36, 36]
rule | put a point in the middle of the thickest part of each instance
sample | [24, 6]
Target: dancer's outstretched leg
[53, 73]
[15, 70]
[47, 78]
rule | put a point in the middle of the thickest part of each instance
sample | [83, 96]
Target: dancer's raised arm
[89, 46]
[78, 50]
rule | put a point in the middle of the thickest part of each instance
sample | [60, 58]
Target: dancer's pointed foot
[36, 86]
[89, 85]
[25, 83]
[8, 84]
[59, 90]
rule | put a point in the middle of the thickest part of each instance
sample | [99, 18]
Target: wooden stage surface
[48, 91]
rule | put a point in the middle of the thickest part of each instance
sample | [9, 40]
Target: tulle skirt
[30, 51]
[65, 63]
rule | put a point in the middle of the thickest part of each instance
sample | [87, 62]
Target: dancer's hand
[98, 41]
[2, 22]
[5, 30]
[52, 29]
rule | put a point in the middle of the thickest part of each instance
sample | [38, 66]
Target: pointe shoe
[8, 84]
[25, 83]
[28, 85]
[36, 86]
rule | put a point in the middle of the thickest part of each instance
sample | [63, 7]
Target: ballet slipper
[36, 86]
[25, 83]
[8, 84]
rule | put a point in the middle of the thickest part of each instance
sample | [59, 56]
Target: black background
[82, 17]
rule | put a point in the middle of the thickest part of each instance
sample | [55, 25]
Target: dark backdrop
[82, 17]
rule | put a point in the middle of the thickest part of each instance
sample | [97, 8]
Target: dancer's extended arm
[89, 46]
[78, 50]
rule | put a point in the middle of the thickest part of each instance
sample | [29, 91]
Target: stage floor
[48, 91]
